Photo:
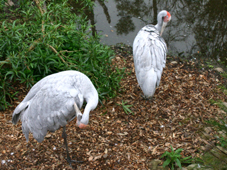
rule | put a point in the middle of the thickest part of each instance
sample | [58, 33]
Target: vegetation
[216, 156]
[174, 157]
[126, 107]
[222, 128]
[38, 39]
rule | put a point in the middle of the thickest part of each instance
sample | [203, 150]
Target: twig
[5, 61]
[33, 45]
[43, 30]
[56, 52]
[37, 4]
[67, 51]
[42, 12]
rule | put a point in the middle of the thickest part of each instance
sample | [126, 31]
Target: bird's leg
[64, 136]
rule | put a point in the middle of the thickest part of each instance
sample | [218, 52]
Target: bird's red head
[167, 18]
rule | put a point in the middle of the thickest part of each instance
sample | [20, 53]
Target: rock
[9, 3]
[219, 153]
[193, 166]
[162, 168]
[154, 164]
[182, 168]
[105, 155]
[208, 130]
[118, 58]
[222, 149]
[215, 159]
[225, 104]
[173, 62]
[222, 133]
[225, 91]
[198, 167]
[219, 69]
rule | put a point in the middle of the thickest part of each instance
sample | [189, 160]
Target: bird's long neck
[161, 27]
[158, 26]
[85, 117]
[92, 103]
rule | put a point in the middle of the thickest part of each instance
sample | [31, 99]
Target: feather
[49, 104]
[149, 55]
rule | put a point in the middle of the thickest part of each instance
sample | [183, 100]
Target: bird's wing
[52, 105]
[149, 51]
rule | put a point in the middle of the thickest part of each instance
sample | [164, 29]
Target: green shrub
[174, 157]
[36, 42]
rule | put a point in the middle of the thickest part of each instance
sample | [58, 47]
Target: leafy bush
[174, 157]
[36, 41]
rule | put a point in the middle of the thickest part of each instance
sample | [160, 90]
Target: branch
[56, 52]
[67, 51]
[33, 45]
[4, 61]
[37, 2]
[42, 12]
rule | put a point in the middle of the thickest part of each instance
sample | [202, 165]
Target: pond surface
[198, 27]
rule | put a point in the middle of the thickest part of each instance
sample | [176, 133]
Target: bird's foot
[70, 161]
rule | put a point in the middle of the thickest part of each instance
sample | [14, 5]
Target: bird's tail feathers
[17, 112]
[149, 83]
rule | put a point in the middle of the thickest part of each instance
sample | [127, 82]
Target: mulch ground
[119, 140]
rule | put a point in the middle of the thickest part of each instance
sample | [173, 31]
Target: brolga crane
[149, 54]
[53, 101]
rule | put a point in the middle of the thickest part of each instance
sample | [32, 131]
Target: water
[197, 28]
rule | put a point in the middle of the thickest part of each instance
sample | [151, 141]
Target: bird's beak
[81, 125]
[163, 27]
[166, 19]
[79, 117]
[78, 112]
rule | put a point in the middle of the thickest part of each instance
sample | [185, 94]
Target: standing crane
[149, 54]
[53, 101]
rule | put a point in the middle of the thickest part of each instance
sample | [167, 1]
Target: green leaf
[185, 158]
[178, 151]
[178, 163]
[167, 162]
[164, 154]
[171, 148]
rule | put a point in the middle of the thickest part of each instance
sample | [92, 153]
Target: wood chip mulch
[116, 140]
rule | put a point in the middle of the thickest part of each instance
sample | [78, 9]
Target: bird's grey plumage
[149, 55]
[49, 104]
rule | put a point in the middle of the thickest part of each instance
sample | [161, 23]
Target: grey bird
[149, 54]
[53, 101]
